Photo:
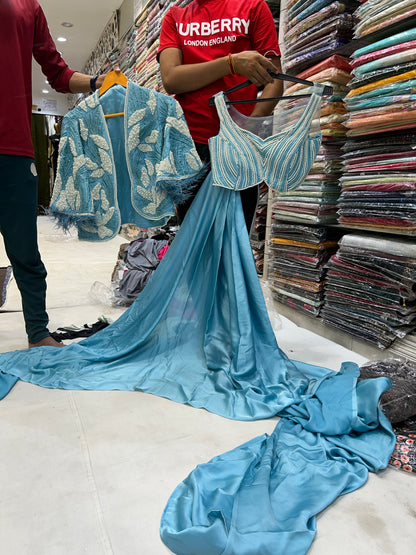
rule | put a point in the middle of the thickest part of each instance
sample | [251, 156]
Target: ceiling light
[45, 91]
[67, 24]
[61, 39]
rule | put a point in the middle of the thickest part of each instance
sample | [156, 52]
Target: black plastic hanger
[328, 90]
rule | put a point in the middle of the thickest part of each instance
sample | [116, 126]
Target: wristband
[231, 64]
[93, 83]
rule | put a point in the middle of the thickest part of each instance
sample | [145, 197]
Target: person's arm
[180, 78]
[81, 83]
[61, 77]
[271, 90]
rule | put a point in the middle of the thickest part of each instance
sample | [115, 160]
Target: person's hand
[100, 80]
[254, 66]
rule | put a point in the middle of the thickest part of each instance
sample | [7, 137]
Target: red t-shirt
[205, 30]
[23, 32]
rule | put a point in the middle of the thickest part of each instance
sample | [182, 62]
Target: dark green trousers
[18, 225]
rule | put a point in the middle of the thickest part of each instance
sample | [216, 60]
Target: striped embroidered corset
[241, 159]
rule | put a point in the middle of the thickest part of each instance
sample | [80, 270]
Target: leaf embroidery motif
[178, 124]
[134, 138]
[95, 193]
[136, 116]
[90, 164]
[104, 201]
[179, 111]
[72, 146]
[98, 173]
[145, 148]
[145, 177]
[100, 142]
[193, 162]
[79, 161]
[91, 101]
[106, 162]
[153, 137]
[152, 102]
[83, 130]
[150, 167]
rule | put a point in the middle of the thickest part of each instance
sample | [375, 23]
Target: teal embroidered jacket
[122, 169]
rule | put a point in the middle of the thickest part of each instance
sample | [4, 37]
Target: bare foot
[49, 341]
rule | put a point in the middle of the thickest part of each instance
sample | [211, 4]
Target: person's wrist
[93, 83]
[231, 64]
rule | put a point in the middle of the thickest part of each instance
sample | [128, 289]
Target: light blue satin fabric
[199, 333]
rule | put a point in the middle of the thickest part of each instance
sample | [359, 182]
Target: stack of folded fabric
[141, 66]
[370, 291]
[128, 58]
[382, 96]
[258, 230]
[379, 181]
[298, 254]
[375, 15]
[154, 20]
[153, 79]
[314, 29]
[149, 23]
[379, 184]
[315, 201]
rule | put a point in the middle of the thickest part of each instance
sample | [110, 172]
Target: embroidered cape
[130, 169]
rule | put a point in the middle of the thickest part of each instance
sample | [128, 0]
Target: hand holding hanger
[114, 77]
[254, 66]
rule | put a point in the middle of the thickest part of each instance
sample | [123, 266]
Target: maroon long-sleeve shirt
[24, 32]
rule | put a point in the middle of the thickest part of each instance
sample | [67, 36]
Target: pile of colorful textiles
[370, 291]
[315, 201]
[315, 28]
[382, 95]
[154, 20]
[147, 41]
[379, 181]
[128, 58]
[296, 269]
[141, 50]
[374, 15]
[258, 229]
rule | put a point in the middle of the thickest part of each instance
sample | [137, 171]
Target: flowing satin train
[199, 333]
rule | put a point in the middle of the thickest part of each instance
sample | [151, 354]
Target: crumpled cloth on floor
[141, 259]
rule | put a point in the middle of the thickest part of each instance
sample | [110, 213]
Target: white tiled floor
[90, 472]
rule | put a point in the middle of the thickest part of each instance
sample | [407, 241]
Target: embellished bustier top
[241, 159]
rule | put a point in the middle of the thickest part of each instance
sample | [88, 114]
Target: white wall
[55, 104]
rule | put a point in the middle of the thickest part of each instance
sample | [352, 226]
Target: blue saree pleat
[199, 333]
